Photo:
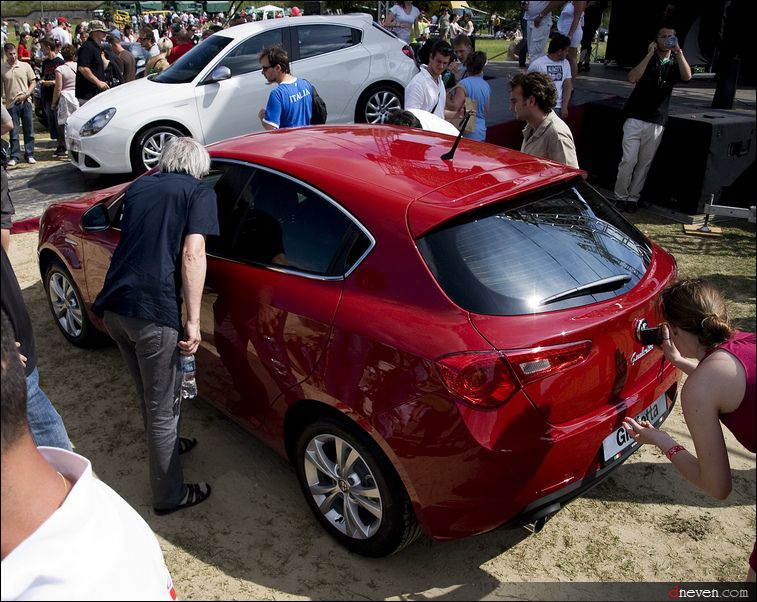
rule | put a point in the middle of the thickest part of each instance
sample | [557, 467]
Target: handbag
[67, 104]
[471, 104]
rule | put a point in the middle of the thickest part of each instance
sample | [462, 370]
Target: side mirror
[219, 74]
[96, 219]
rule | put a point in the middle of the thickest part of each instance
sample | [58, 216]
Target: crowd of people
[143, 315]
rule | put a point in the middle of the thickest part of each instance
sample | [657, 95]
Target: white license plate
[619, 439]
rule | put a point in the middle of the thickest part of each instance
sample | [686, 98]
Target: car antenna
[449, 155]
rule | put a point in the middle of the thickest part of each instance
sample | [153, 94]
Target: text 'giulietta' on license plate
[619, 439]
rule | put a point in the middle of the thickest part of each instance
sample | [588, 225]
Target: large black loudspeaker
[700, 154]
[312, 8]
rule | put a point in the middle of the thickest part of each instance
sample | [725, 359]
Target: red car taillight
[489, 378]
[537, 363]
[408, 52]
[482, 378]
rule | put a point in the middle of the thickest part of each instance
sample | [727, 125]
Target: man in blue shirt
[161, 254]
[291, 103]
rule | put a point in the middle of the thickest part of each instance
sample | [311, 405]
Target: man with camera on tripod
[646, 112]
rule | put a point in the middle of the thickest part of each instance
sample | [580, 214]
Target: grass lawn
[59, 7]
[727, 261]
[496, 50]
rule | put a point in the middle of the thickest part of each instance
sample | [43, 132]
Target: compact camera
[649, 336]
[671, 42]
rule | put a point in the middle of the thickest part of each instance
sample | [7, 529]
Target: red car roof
[359, 165]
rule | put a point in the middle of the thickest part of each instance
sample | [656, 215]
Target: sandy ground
[256, 539]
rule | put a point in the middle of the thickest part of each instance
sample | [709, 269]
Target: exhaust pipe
[543, 516]
[537, 525]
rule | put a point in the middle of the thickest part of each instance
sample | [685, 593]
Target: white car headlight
[97, 123]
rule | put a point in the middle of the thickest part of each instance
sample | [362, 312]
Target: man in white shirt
[65, 535]
[426, 90]
[61, 33]
[556, 65]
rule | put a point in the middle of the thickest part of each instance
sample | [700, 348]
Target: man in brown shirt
[123, 58]
[18, 85]
[532, 99]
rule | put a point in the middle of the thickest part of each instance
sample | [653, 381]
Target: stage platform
[596, 122]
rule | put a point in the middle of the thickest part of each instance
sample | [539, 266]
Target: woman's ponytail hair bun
[698, 307]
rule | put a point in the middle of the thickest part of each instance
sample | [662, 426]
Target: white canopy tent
[269, 11]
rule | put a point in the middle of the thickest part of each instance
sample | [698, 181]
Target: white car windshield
[189, 65]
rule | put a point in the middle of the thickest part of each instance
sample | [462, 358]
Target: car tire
[148, 145]
[375, 104]
[324, 449]
[67, 307]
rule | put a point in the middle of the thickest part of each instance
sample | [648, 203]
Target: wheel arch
[93, 334]
[47, 255]
[306, 411]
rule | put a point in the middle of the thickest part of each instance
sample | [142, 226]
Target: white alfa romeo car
[216, 90]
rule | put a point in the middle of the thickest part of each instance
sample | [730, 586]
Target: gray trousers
[151, 354]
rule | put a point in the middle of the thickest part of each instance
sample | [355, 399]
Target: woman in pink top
[720, 388]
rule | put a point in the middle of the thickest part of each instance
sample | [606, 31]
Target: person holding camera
[720, 363]
[646, 113]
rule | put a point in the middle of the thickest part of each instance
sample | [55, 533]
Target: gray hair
[185, 155]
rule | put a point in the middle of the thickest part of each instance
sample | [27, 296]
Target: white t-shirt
[558, 71]
[94, 547]
[404, 22]
[423, 92]
[566, 20]
[61, 35]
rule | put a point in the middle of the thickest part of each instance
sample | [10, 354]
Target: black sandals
[196, 493]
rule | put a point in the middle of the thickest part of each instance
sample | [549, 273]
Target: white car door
[332, 58]
[230, 107]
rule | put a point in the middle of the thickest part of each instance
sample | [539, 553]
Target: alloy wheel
[380, 104]
[153, 147]
[343, 486]
[65, 304]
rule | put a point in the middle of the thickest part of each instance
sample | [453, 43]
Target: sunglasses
[265, 68]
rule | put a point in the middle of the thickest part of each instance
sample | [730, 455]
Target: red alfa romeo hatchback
[438, 345]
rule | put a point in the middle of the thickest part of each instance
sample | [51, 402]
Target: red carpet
[30, 224]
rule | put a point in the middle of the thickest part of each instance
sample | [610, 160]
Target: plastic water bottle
[188, 382]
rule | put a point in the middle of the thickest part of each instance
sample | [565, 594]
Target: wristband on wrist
[674, 450]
